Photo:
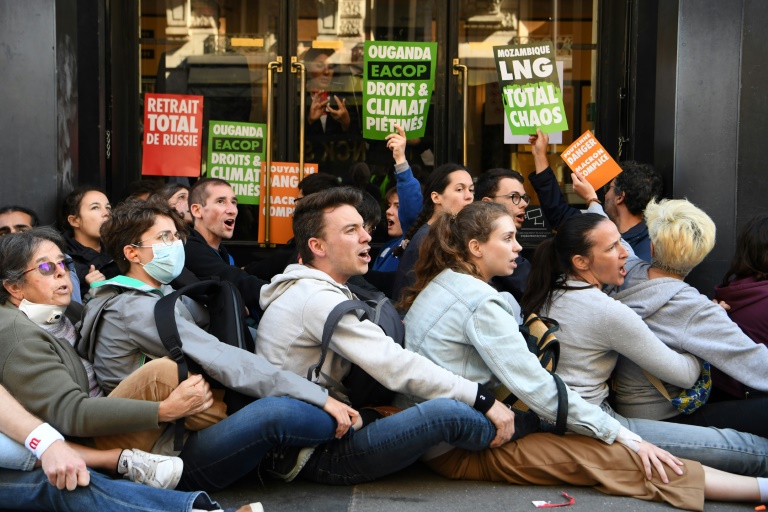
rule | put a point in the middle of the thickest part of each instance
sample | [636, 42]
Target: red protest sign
[586, 156]
[172, 135]
[284, 181]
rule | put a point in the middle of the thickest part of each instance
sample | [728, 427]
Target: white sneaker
[159, 471]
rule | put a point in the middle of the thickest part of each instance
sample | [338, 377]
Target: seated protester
[567, 275]
[403, 204]
[274, 264]
[334, 247]
[72, 486]
[177, 196]
[213, 205]
[14, 219]
[688, 322]
[625, 196]
[462, 323]
[449, 188]
[46, 375]
[505, 186]
[82, 213]
[745, 290]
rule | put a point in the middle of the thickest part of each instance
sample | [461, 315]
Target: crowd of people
[91, 390]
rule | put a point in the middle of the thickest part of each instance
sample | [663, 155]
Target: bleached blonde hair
[682, 235]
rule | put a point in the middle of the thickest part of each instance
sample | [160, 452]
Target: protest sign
[530, 88]
[284, 187]
[235, 154]
[589, 158]
[554, 137]
[172, 138]
[397, 87]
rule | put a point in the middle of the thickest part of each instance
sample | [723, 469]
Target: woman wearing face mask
[82, 213]
[448, 189]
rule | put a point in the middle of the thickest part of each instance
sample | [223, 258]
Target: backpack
[538, 333]
[361, 389]
[227, 322]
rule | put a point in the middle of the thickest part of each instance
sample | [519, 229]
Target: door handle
[461, 69]
[299, 67]
[273, 66]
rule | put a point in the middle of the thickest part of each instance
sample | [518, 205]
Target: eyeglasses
[607, 188]
[165, 236]
[48, 268]
[515, 197]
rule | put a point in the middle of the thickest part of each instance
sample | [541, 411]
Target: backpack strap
[165, 320]
[334, 317]
[561, 421]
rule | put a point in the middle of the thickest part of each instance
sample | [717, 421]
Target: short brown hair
[129, 221]
[309, 216]
[198, 194]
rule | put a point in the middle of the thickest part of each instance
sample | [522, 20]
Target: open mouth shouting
[365, 255]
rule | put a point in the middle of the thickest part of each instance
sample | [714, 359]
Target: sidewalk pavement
[417, 489]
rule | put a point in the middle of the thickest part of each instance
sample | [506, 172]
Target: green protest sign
[397, 87]
[235, 154]
[530, 88]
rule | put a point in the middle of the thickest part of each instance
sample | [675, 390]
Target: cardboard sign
[172, 135]
[589, 158]
[397, 87]
[530, 88]
[235, 154]
[554, 137]
[284, 188]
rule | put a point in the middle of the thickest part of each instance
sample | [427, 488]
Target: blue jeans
[30, 490]
[15, 456]
[217, 456]
[721, 448]
[395, 442]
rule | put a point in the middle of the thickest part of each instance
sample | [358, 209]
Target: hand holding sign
[539, 143]
[396, 144]
[582, 187]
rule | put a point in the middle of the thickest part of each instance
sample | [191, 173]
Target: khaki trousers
[154, 382]
[548, 459]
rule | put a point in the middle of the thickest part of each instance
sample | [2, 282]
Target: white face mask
[42, 314]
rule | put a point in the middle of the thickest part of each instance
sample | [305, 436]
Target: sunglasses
[48, 268]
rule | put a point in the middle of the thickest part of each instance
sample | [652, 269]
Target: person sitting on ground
[745, 290]
[40, 367]
[505, 186]
[461, 322]
[213, 205]
[33, 452]
[82, 213]
[449, 188]
[177, 196]
[625, 196]
[14, 219]
[119, 330]
[568, 273]
[681, 237]
[334, 246]
[403, 204]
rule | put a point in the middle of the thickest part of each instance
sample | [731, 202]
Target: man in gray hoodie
[681, 236]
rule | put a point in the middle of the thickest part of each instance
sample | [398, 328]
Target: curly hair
[447, 245]
[640, 183]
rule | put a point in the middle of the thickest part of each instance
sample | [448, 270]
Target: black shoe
[286, 463]
[526, 422]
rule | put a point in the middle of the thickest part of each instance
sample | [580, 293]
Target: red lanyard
[547, 504]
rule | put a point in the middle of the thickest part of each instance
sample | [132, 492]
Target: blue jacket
[467, 327]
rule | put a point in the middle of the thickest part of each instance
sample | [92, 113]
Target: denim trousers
[721, 448]
[395, 442]
[30, 490]
[15, 456]
[218, 455]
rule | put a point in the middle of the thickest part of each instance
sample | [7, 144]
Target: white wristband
[41, 438]
[629, 439]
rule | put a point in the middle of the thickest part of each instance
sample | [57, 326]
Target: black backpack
[361, 389]
[538, 333]
[227, 322]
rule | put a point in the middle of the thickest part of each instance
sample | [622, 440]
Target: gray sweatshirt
[688, 322]
[595, 329]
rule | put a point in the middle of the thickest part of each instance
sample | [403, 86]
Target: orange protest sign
[284, 187]
[589, 158]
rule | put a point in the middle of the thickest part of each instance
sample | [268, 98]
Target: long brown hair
[447, 245]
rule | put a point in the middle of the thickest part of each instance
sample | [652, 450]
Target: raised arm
[408, 187]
